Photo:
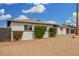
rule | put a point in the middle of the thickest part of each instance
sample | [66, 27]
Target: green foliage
[17, 34]
[52, 31]
[39, 31]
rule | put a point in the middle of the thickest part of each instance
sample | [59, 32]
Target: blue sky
[58, 12]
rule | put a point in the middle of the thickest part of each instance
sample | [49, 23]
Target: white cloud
[36, 3]
[74, 16]
[36, 9]
[50, 22]
[40, 3]
[70, 17]
[2, 11]
[5, 17]
[73, 22]
[21, 17]
[68, 21]
[74, 13]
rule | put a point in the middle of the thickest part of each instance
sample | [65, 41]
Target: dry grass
[60, 45]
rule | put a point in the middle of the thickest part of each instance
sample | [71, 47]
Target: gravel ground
[58, 46]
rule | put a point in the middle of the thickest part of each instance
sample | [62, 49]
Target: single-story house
[27, 26]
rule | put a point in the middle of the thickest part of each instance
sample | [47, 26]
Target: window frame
[27, 27]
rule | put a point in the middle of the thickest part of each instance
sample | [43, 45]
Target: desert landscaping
[58, 46]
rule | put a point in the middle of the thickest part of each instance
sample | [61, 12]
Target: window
[25, 27]
[72, 31]
[67, 30]
[61, 29]
[30, 27]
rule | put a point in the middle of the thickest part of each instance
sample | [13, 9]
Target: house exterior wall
[29, 35]
[58, 31]
[61, 32]
[46, 35]
[64, 31]
[17, 27]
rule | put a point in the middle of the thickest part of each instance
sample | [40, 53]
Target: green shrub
[52, 32]
[17, 35]
[39, 31]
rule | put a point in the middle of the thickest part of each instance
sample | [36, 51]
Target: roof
[39, 22]
[71, 26]
[31, 21]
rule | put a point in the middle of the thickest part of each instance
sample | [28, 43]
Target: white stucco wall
[17, 27]
[61, 32]
[64, 31]
[58, 31]
[46, 35]
[27, 36]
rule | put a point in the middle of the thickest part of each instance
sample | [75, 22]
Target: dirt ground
[58, 46]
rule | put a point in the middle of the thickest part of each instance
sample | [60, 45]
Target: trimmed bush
[17, 35]
[52, 32]
[39, 31]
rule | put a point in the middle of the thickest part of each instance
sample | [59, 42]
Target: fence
[5, 34]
